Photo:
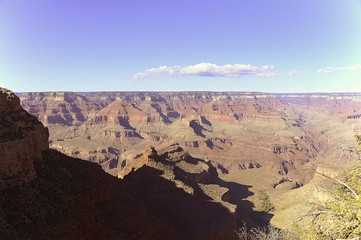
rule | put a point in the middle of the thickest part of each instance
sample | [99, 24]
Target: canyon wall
[22, 140]
[235, 130]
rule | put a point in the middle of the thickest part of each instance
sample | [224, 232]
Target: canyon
[180, 160]
[234, 130]
[166, 194]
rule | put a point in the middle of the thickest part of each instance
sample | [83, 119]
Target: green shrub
[267, 205]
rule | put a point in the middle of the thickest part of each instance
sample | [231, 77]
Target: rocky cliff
[22, 140]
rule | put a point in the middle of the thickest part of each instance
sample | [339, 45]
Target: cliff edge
[22, 139]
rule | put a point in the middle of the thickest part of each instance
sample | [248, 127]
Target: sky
[181, 45]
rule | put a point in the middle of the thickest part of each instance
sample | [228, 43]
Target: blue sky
[179, 45]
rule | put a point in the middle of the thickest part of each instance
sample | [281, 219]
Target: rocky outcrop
[176, 164]
[22, 140]
[171, 179]
[357, 116]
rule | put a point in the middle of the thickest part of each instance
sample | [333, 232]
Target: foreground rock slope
[74, 199]
[22, 139]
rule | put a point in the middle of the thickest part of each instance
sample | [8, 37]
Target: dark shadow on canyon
[194, 215]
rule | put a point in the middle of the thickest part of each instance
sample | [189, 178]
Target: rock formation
[178, 166]
[22, 139]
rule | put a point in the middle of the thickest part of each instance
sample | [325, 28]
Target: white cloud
[356, 67]
[211, 70]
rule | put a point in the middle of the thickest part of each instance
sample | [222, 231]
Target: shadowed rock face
[75, 199]
[188, 193]
[199, 179]
[22, 139]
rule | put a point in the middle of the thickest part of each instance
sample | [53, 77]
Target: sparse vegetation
[341, 217]
[267, 205]
[267, 233]
[358, 139]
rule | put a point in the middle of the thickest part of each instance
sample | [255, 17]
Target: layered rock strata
[235, 130]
